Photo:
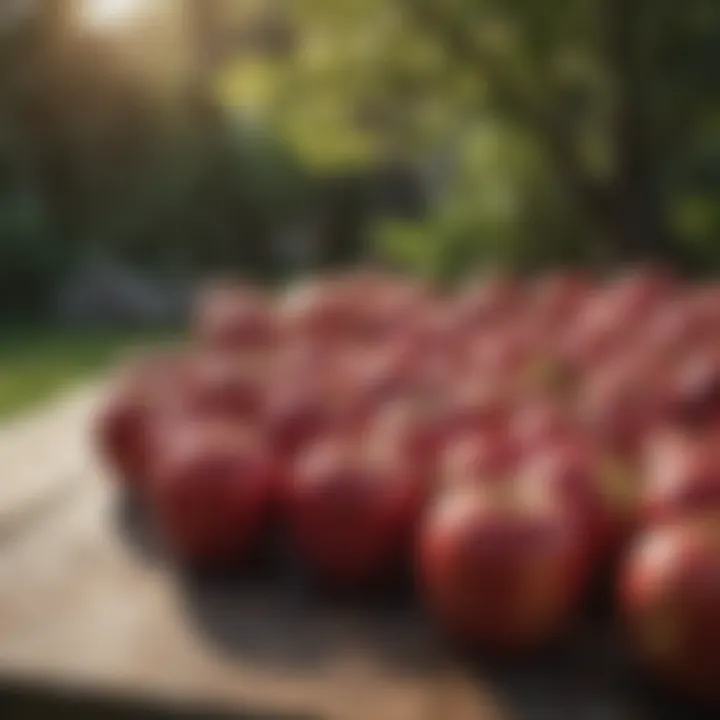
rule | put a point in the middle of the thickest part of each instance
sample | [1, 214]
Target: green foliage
[575, 131]
[498, 211]
[613, 105]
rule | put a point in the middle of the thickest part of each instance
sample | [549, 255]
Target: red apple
[677, 327]
[558, 298]
[300, 398]
[225, 386]
[499, 567]
[486, 301]
[612, 316]
[681, 477]
[123, 435]
[639, 292]
[483, 456]
[669, 591]
[705, 303]
[212, 488]
[590, 338]
[404, 440]
[600, 491]
[232, 317]
[317, 310]
[474, 404]
[347, 505]
[401, 301]
[544, 370]
[625, 400]
[411, 421]
[131, 412]
[540, 422]
[381, 373]
[436, 329]
[293, 417]
[697, 389]
[384, 308]
[505, 354]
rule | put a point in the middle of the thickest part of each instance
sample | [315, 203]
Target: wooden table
[86, 606]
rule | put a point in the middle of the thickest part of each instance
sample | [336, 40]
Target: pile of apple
[516, 440]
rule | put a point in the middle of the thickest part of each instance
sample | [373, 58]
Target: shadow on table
[135, 531]
[23, 702]
[269, 612]
[585, 676]
[273, 613]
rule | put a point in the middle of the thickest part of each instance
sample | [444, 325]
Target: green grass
[35, 364]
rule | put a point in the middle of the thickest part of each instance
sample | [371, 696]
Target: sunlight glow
[109, 14]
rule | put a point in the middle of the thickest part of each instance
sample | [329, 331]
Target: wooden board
[86, 605]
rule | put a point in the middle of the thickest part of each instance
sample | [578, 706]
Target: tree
[630, 48]
[617, 97]
[100, 156]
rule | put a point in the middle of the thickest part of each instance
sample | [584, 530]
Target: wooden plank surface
[84, 604]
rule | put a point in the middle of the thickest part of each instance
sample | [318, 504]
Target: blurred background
[147, 143]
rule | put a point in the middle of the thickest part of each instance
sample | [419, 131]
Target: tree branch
[463, 46]
[636, 201]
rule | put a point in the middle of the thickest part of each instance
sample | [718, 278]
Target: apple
[505, 353]
[350, 508]
[123, 437]
[558, 298]
[639, 292]
[499, 567]
[485, 301]
[704, 302]
[484, 456]
[129, 415]
[613, 314]
[404, 439]
[436, 328]
[316, 309]
[410, 425]
[381, 372]
[401, 301]
[531, 360]
[225, 386]
[590, 338]
[233, 317]
[669, 593]
[675, 328]
[681, 477]
[599, 490]
[385, 307]
[623, 401]
[293, 417]
[539, 422]
[213, 483]
[390, 373]
[299, 401]
[697, 389]
[473, 404]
